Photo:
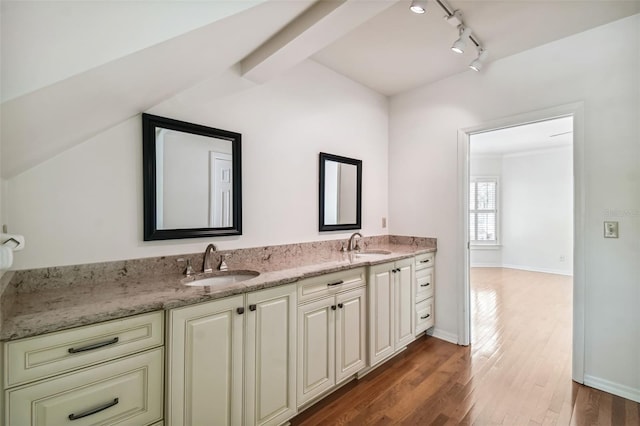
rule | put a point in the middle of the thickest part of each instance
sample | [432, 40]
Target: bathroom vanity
[152, 350]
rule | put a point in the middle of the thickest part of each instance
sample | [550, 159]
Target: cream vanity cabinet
[331, 331]
[109, 373]
[425, 284]
[391, 308]
[232, 361]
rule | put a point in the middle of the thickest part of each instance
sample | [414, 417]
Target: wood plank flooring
[516, 372]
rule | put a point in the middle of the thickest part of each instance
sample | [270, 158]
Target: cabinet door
[381, 313]
[205, 357]
[350, 333]
[404, 303]
[316, 348]
[270, 360]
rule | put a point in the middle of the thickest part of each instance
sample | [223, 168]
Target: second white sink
[220, 279]
[372, 252]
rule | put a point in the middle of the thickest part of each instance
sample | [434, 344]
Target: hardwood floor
[516, 372]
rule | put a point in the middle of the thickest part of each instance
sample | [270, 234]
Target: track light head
[461, 43]
[418, 6]
[476, 65]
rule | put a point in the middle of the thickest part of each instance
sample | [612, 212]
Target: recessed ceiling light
[418, 6]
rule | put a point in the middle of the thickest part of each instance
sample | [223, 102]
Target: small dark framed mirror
[340, 193]
[192, 180]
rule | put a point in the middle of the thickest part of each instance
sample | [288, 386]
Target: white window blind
[483, 210]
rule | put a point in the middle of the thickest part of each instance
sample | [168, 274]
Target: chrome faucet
[350, 246]
[206, 264]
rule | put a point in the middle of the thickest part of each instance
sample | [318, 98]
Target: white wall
[537, 211]
[488, 165]
[3, 185]
[29, 64]
[85, 205]
[601, 68]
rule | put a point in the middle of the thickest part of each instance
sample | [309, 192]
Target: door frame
[462, 275]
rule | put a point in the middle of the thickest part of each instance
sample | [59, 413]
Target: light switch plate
[611, 229]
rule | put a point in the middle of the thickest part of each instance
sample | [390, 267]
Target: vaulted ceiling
[71, 70]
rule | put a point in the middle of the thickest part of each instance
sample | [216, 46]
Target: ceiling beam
[320, 25]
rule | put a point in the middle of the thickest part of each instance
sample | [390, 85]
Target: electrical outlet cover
[611, 229]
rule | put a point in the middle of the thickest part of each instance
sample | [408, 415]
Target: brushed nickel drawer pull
[94, 410]
[426, 316]
[93, 346]
[336, 283]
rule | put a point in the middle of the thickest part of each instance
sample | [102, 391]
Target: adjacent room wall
[85, 205]
[537, 211]
[599, 67]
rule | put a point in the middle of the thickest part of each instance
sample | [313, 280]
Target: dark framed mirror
[340, 193]
[192, 180]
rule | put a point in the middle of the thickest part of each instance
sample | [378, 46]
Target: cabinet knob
[240, 310]
[394, 270]
[333, 307]
[340, 305]
[252, 307]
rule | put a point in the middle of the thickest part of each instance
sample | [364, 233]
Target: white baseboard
[536, 269]
[486, 265]
[444, 335]
[614, 388]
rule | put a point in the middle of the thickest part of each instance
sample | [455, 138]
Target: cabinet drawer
[43, 356]
[127, 391]
[424, 284]
[324, 285]
[424, 315]
[426, 260]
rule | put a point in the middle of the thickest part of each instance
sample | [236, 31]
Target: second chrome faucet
[352, 241]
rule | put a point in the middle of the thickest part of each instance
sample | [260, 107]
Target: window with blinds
[483, 210]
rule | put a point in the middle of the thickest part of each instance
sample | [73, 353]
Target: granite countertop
[30, 311]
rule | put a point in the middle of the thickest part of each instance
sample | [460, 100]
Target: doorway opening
[521, 234]
[521, 239]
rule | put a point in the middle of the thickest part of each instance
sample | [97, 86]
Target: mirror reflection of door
[340, 193]
[186, 191]
[220, 209]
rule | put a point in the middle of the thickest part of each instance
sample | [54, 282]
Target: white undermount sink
[372, 252]
[222, 278]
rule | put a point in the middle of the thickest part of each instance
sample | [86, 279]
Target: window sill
[486, 246]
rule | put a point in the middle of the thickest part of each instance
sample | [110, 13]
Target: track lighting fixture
[476, 65]
[454, 18]
[461, 43]
[418, 6]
